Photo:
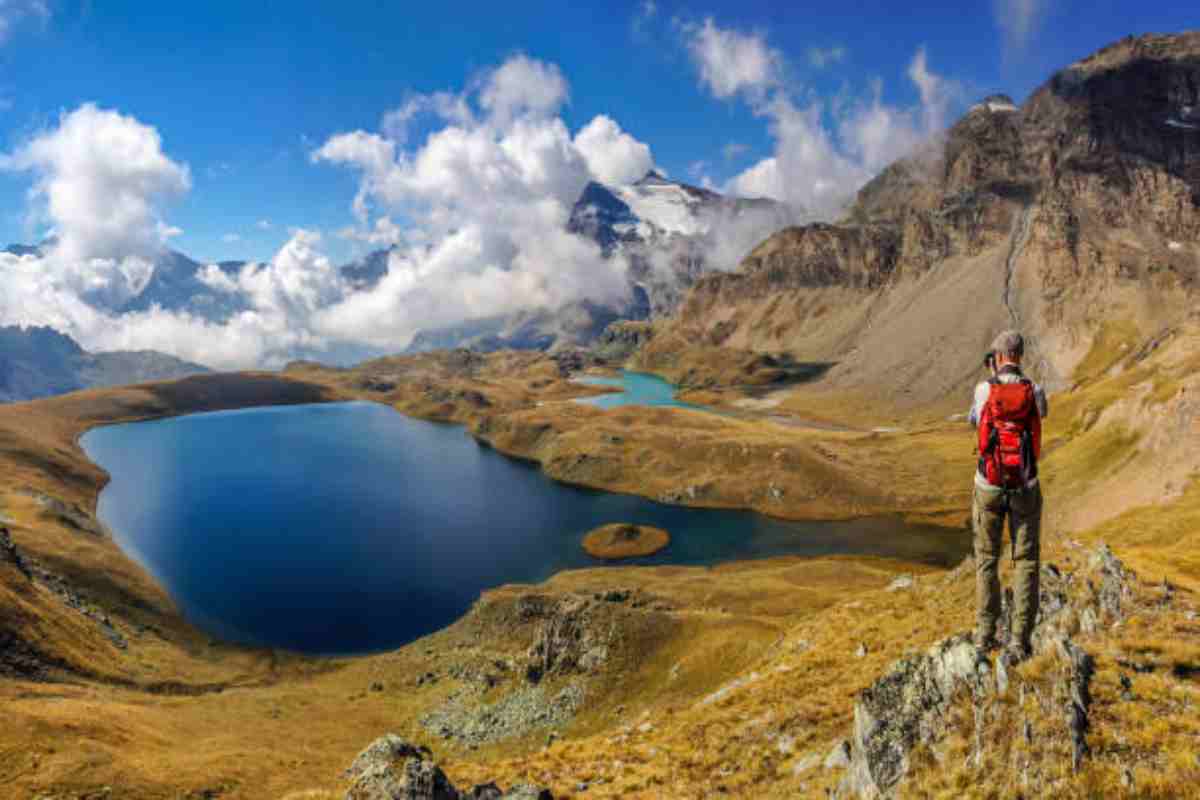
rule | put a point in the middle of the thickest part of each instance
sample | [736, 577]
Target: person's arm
[977, 403]
[1035, 429]
[1039, 396]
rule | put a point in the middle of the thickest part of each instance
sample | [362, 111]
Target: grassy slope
[782, 633]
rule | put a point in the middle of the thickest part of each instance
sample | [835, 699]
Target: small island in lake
[623, 540]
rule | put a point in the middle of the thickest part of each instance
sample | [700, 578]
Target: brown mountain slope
[1078, 208]
[737, 680]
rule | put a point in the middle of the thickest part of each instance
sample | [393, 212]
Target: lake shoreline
[154, 532]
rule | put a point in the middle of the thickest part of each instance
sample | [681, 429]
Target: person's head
[1009, 348]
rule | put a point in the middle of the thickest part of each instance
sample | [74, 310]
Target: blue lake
[637, 388]
[349, 528]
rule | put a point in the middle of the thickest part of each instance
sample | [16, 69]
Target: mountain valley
[839, 360]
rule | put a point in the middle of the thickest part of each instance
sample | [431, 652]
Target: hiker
[1008, 410]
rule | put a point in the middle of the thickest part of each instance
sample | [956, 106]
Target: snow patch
[1174, 247]
[664, 205]
[994, 107]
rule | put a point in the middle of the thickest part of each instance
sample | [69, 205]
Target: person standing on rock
[1008, 410]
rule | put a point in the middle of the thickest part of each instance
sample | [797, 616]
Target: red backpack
[1010, 434]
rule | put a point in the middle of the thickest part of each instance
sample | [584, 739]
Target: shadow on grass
[782, 369]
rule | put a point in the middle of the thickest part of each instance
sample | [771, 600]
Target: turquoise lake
[349, 528]
[637, 388]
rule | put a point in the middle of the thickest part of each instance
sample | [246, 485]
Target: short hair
[1009, 343]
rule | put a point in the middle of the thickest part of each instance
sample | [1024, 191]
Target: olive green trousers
[1023, 510]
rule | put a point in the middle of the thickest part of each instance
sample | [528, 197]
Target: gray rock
[901, 582]
[1079, 678]
[904, 708]
[9, 553]
[393, 769]
[568, 641]
[908, 705]
[1113, 582]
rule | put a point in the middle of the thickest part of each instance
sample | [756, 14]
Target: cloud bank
[475, 215]
[823, 152]
[470, 190]
[484, 201]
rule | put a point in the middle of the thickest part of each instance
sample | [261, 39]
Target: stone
[567, 641]
[904, 708]
[1080, 669]
[861, 652]
[391, 768]
[1112, 586]
[901, 582]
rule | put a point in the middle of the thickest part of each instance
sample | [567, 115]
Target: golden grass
[748, 671]
[623, 540]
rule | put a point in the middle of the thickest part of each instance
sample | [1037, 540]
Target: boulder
[908, 706]
[904, 708]
[567, 641]
[393, 769]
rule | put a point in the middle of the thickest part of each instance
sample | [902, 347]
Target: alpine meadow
[625, 400]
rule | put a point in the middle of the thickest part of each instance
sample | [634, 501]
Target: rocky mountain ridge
[1079, 207]
[40, 362]
[670, 233]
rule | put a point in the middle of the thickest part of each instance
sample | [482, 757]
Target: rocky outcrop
[391, 768]
[622, 339]
[569, 640]
[1081, 205]
[905, 708]
[10, 554]
[910, 705]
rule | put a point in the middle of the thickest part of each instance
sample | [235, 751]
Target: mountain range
[669, 233]
[1072, 216]
[40, 361]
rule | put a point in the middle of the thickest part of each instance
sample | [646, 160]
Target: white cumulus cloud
[98, 180]
[731, 61]
[612, 155]
[825, 152]
[485, 200]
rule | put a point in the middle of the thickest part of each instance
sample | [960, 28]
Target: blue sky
[243, 92]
